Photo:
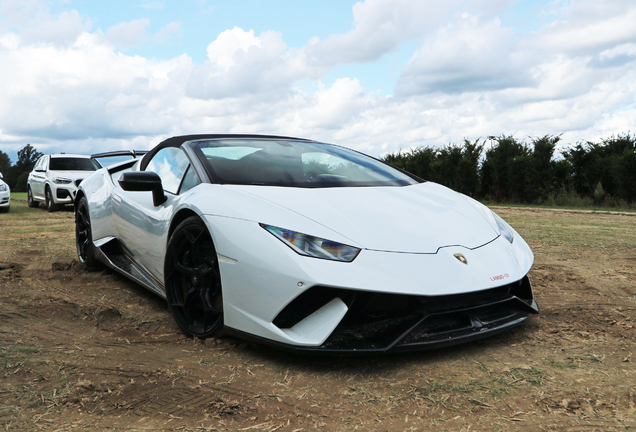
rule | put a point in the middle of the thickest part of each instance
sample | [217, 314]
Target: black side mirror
[144, 181]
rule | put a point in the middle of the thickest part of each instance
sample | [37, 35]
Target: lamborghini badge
[461, 258]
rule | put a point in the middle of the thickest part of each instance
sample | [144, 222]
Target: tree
[5, 163]
[27, 157]
[504, 171]
[611, 163]
[542, 176]
[417, 161]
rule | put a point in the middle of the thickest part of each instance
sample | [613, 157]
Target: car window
[170, 164]
[190, 180]
[73, 164]
[41, 163]
[294, 163]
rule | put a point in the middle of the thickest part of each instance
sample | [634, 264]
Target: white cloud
[66, 88]
[167, 31]
[467, 55]
[379, 27]
[36, 25]
[133, 33]
[86, 89]
[241, 63]
[221, 51]
[128, 34]
[585, 27]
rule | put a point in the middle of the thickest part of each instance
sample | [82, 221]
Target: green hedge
[508, 170]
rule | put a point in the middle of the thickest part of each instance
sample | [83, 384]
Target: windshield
[279, 162]
[73, 164]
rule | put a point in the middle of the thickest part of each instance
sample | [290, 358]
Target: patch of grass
[568, 229]
[15, 354]
[562, 366]
[478, 392]
[18, 196]
[483, 367]
[27, 350]
[367, 395]
[23, 221]
[493, 387]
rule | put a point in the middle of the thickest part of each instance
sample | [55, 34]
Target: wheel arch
[79, 196]
[47, 187]
[179, 217]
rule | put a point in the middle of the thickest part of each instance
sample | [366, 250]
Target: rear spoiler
[131, 153]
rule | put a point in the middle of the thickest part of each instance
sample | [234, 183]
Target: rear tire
[50, 205]
[193, 280]
[84, 235]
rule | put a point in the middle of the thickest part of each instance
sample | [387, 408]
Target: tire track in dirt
[88, 350]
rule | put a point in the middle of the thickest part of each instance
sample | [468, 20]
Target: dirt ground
[88, 350]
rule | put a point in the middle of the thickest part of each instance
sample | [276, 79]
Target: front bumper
[261, 282]
[380, 323]
[5, 199]
[65, 193]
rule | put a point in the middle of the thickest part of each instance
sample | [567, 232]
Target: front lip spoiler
[474, 332]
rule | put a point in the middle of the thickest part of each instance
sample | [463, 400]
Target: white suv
[55, 178]
[5, 196]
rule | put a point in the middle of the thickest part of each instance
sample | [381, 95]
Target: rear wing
[132, 153]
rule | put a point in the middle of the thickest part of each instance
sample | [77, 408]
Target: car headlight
[3, 187]
[504, 229]
[59, 180]
[315, 247]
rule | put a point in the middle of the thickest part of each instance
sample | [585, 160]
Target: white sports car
[5, 196]
[304, 245]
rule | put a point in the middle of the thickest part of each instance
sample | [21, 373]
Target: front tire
[193, 280]
[50, 205]
[84, 235]
[30, 201]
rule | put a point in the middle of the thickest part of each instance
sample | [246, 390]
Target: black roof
[176, 141]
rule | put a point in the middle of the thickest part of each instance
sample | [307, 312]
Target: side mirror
[0, 175]
[144, 181]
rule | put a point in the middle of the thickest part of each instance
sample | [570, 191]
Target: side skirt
[114, 255]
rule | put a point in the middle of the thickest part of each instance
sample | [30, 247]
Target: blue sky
[202, 21]
[376, 75]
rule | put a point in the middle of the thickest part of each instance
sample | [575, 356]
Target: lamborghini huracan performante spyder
[304, 245]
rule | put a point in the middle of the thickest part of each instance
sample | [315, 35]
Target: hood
[412, 219]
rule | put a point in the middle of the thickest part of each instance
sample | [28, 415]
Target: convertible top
[176, 141]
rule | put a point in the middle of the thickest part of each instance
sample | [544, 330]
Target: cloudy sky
[84, 76]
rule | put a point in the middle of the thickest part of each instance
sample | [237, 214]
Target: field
[90, 351]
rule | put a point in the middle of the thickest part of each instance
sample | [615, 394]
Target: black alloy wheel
[83, 235]
[30, 201]
[193, 280]
[50, 205]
